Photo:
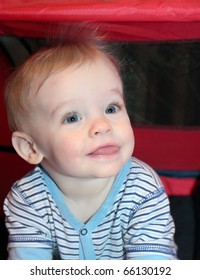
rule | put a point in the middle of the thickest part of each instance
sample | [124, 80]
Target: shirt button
[84, 231]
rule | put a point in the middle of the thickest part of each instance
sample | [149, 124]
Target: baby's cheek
[70, 149]
[130, 139]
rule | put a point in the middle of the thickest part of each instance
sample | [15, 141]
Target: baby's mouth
[105, 150]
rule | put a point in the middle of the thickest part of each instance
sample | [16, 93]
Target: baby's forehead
[49, 70]
[94, 78]
[60, 66]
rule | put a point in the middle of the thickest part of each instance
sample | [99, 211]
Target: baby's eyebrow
[64, 104]
[116, 90]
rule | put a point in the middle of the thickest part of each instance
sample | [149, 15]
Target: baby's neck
[81, 189]
[85, 197]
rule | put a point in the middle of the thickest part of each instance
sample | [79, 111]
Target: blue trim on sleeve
[29, 253]
[151, 257]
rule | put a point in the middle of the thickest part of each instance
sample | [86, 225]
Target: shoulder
[29, 187]
[143, 178]
[144, 189]
[32, 180]
[141, 165]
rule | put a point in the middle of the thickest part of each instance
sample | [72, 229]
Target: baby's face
[80, 123]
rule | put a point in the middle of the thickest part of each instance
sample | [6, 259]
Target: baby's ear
[26, 148]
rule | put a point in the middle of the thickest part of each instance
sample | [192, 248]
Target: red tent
[122, 20]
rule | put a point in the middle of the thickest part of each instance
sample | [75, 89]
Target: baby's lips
[105, 150]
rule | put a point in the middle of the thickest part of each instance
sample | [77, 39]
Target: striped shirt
[134, 222]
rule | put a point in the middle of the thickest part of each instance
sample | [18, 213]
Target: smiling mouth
[108, 150]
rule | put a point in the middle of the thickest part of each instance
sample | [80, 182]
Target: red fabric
[180, 186]
[123, 31]
[118, 10]
[4, 73]
[123, 20]
[168, 148]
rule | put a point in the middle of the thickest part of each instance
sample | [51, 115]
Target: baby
[87, 197]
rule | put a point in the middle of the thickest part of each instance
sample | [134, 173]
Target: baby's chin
[111, 170]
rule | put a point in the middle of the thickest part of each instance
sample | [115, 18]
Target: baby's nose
[100, 127]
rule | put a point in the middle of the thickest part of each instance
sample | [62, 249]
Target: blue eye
[72, 118]
[112, 109]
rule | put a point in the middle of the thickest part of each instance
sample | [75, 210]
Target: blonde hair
[26, 80]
